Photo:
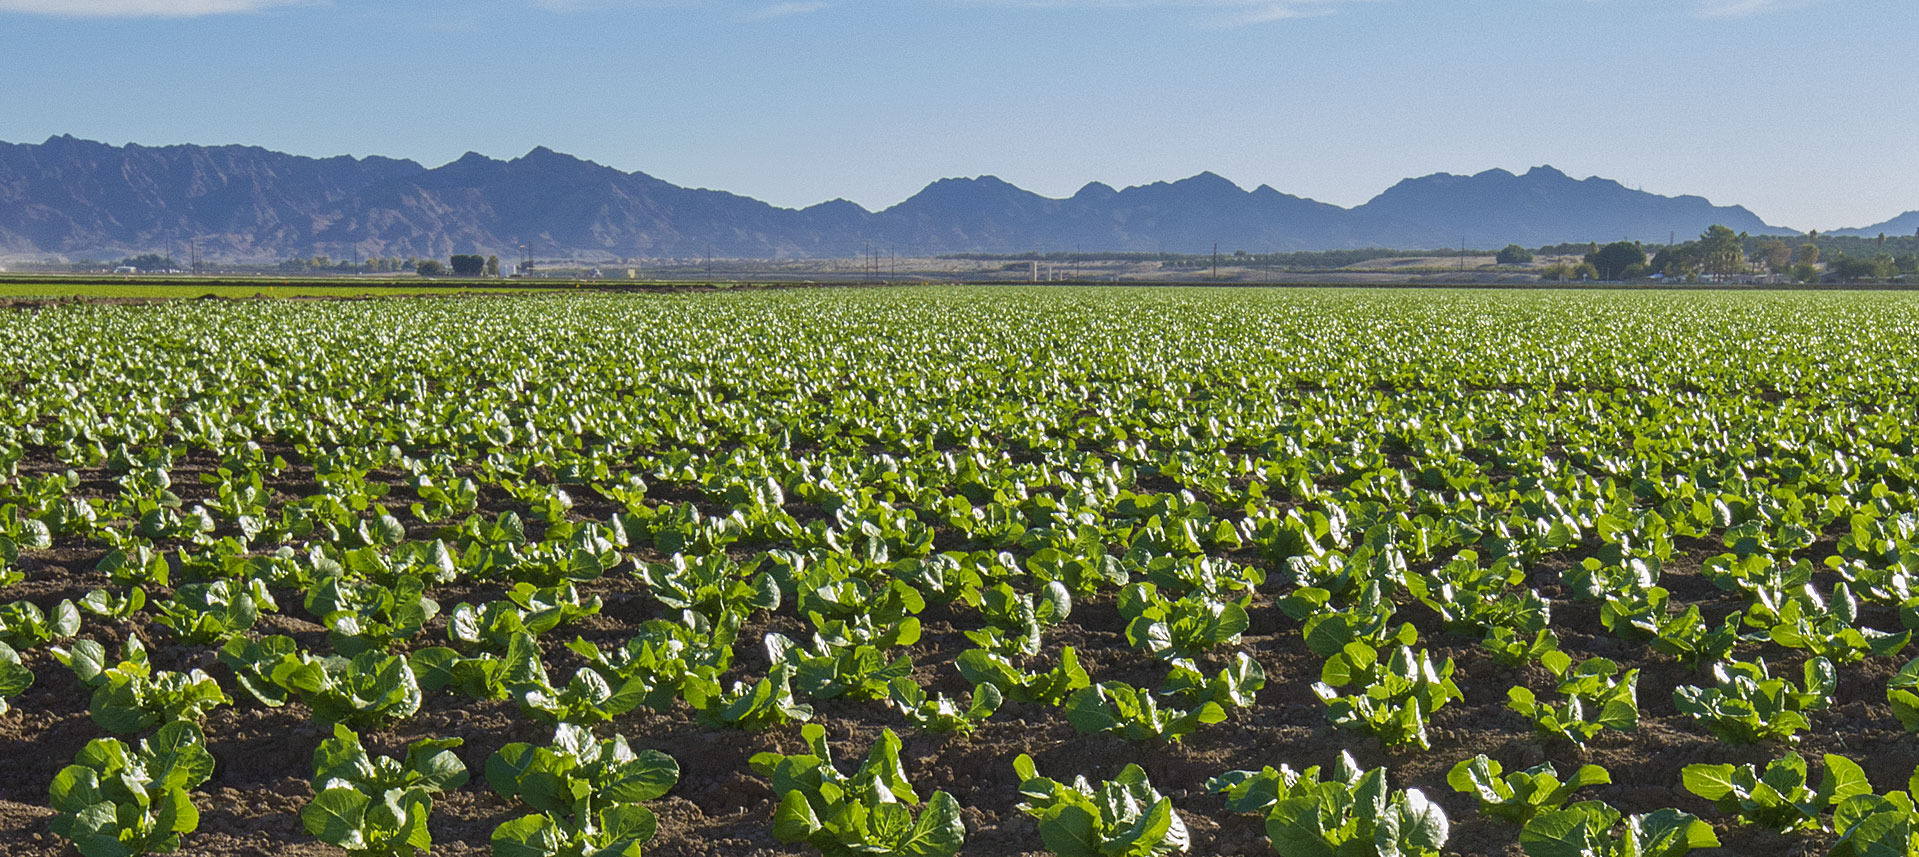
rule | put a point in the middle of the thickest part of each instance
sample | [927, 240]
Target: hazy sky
[1805, 111]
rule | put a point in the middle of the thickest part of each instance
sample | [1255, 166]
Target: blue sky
[1805, 111]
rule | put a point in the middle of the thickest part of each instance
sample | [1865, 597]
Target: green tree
[1514, 255]
[1808, 253]
[1857, 270]
[1777, 255]
[1722, 252]
[492, 266]
[468, 265]
[1678, 261]
[429, 268]
[1612, 261]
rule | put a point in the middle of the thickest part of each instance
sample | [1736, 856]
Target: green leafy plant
[363, 616]
[1394, 696]
[1051, 687]
[1687, 637]
[663, 658]
[1121, 709]
[1351, 813]
[587, 794]
[1122, 817]
[129, 695]
[833, 668]
[1183, 628]
[214, 612]
[115, 802]
[1778, 798]
[24, 625]
[1520, 795]
[1870, 825]
[1015, 619]
[1902, 691]
[15, 677]
[1235, 686]
[867, 812]
[378, 805]
[489, 627]
[1748, 705]
[1827, 628]
[709, 588]
[106, 605]
[756, 706]
[1257, 791]
[1597, 697]
[1593, 829]
[371, 689]
[253, 662]
[940, 714]
[590, 696]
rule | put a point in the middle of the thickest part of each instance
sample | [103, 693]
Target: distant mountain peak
[80, 198]
[1095, 191]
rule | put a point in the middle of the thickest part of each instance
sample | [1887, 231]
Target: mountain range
[77, 198]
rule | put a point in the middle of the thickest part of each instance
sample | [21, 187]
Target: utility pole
[1215, 260]
[1462, 256]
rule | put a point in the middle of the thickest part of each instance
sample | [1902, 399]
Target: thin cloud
[1747, 8]
[784, 10]
[139, 8]
[1215, 13]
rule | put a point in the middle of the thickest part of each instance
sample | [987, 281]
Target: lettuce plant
[24, 625]
[762, 704]
[1120, 709]
[587, 795]
[116, 802]
[1391, 697]
[939, 714]
[378, 806]
[1051, 687]
[1749, 705]
[1778, 798]
[1520, 795]
[867, 812]
[129, 695]
[1593, 829]
[1122, 816]
[15, 677]
[1597, 696]
[202, 613]
[1349, 813]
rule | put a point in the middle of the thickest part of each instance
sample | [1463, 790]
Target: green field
[1073, 570]
[157, 289]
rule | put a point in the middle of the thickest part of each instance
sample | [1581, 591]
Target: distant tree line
[461, 265]
[1303, 260]
[1721, 255]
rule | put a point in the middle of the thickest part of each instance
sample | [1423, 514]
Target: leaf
[528, 836]
[795, 821]
[1711, 782]
[1560, 833]
[1294, 827]
[1071, 831]
[337, 817]
[938, 832]
[1843, 779]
